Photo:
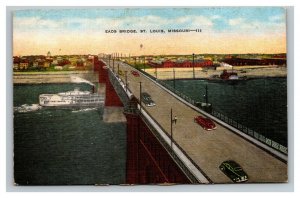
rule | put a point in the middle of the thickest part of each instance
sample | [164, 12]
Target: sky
[224, 30]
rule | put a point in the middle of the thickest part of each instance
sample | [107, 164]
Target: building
[182, 63]
[47, 64]
[16, 62]
[16, 66]
[253, 61]
[168, 63]
[58, 67]
[23, 65]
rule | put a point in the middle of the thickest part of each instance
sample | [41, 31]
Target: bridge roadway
[208, 149]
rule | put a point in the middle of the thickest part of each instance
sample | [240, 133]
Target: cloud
[150, 21]
[277, 18]
[248, 26]
[236, 21]
[183, 19]
[35, 22]
[214, 17]
[98, 24]
[202, 21]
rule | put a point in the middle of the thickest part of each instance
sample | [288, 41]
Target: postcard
[150, 96]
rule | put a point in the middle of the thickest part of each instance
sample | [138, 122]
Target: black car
[234, 171]
[147, 100]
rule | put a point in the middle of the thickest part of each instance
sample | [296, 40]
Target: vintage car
[147, 100]
[135, 73]
[234, 171]
[206, 123]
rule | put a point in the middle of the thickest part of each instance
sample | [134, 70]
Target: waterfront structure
[255, 61]
[181, 63]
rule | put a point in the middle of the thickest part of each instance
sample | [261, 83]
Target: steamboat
[75, 98]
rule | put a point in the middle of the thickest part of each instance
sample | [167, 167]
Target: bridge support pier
[147, 160]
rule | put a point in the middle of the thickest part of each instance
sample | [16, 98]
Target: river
[260, 104]
[53, 147]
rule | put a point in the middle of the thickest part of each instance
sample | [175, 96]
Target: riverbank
[186, 73]
[52, 77]
[162, 74]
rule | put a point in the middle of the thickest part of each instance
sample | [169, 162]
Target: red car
[206, 123]
[135, 73]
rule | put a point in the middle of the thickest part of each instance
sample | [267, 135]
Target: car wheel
[222, 168]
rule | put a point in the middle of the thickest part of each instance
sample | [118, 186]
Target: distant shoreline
[251, 72]
[52, 77]
[249, 78]
[50, 72]
[187, 73]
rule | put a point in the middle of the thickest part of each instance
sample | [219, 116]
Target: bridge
[162, 151]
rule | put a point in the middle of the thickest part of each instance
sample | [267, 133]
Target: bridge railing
[250, 132]
[231, 122]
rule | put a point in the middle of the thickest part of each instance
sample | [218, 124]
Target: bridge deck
[208, 149]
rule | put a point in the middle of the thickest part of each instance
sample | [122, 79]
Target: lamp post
[93, 63]
[173, 120]
[193, 65]
[144, 63]
[140, 96]
[174, 77]
[114, 65]
[126, 85]
[118, 69]
[108, 60]
[206, 95]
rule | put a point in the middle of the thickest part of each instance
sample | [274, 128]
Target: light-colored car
[147, 100]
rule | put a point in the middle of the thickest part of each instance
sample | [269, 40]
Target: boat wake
[85, 109]
[76, 79]
[27, 108]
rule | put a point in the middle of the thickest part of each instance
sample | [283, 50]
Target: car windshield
[237, 168]
[145, 96]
